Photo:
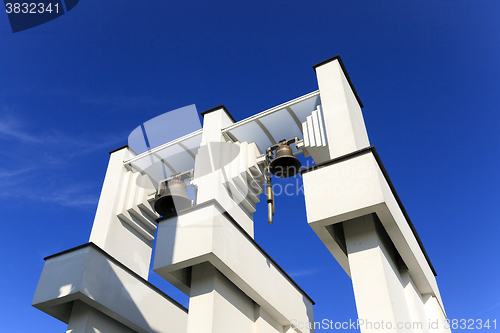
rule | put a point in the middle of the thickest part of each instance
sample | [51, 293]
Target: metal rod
[270, 212]
[288, 142]
[269, 189]
[270, 201]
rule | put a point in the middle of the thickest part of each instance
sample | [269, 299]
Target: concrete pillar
[264, 323]
[378, 290]
[435, 314]
[366, 229]
[415, 303]
[121, 228]
[213, 157]
[216, 304]
[208, 250]
[344, 124]
[86, 319]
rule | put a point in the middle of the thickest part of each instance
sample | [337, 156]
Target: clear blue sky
[427, 72]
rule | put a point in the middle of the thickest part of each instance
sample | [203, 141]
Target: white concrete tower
[208, 250]
[102, 286]
[354, 209]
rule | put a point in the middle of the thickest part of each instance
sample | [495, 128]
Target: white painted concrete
[208, 251]
[344, 124]
[375, 276]
[124, 223]
[214, 259]
[212, 167]
[353, 210]
[315, 140]
[86, 319]
[435, 315]
[264, 323]
[415, 303]
[89, 276]
[205, 235]
[356, 187]
[217, 305]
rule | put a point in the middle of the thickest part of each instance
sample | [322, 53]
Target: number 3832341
[31, 8]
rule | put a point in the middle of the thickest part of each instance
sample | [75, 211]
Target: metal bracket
[288, 142]
[189, 174]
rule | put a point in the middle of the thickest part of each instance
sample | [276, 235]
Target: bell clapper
[269, 188]
[270, 200]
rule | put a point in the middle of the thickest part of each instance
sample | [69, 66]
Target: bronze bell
[285, 164]
[172, 197]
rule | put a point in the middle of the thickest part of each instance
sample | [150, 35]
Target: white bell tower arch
[208, 250]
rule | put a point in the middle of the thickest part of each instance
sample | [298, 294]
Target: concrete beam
[88, 274]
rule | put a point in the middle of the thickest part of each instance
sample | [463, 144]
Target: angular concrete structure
[208, 250]
[354, 209]
[88, 289]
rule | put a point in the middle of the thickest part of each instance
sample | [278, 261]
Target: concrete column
[415, 304]
[216, 305]
[435, 315]
[378, 290]
[344, 124]
[128, 238]
[86, 319]
[212, 159]
[264, 323]
[366, 229]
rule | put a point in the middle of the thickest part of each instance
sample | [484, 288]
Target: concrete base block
[87, 274]
[356, 185]
[206, 233]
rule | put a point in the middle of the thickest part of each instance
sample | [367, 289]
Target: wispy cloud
[488, 309]
[11, 127]
[14, 173]
[11, 179]
[75, 196]
[114, 97]
[123, 101]
[303, 272]
[36, 165]
[15, 128]
[62, 194]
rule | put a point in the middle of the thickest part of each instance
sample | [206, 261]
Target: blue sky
[427, 73]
